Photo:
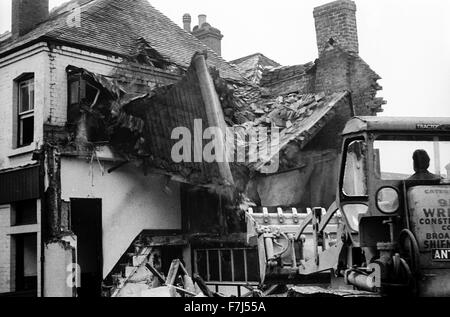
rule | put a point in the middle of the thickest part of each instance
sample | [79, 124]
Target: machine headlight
[388, 200]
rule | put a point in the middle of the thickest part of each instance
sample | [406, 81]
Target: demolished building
[87, 179]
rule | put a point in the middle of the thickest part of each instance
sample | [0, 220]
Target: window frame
[26, 81]
[232, 255]
[83, 85]
[345, 197]
[408, 137]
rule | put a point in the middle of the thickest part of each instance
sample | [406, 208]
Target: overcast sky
[407, 42]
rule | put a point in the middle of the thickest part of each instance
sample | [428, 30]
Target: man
[421, 165]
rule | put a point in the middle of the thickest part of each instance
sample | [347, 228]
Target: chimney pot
[27, 14]
[209, 35]
[187, 22]
[201, 20]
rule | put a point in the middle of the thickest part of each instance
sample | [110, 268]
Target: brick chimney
[210, 36]
[27, 14]
[187, 22]
[337, 21]
[343, 69]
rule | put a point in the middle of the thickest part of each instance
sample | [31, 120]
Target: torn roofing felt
[113, 26]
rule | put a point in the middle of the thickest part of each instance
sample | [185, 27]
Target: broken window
[81, 92]
[227, 265]
[87, 108]
[25, 110]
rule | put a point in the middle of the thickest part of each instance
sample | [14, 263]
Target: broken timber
[214, 113]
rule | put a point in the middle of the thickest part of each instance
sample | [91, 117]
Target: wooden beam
[156, 273]
[173, 272]
[202, 285]
[213, 111]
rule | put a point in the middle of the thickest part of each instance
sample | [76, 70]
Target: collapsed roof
[150, 119]
[141, 34]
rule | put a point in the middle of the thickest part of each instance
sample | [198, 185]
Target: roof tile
[114, 26]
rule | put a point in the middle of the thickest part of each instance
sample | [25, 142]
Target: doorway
[26, 263]
[86, 224]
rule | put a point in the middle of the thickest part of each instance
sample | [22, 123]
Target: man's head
[421, 160]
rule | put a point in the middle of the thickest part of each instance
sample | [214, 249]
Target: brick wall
[59, 58]
[364, 87]
[338, 70]
[289, 79]
[26, 14]
[333, 73]
[339, 66]
[337, 20]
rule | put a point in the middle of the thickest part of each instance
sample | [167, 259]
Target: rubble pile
[283, 111]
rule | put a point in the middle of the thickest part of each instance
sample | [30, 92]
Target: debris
[173, 272]
[163, 291]
[315, 291]
[184, 287]
[202, 286]
[156, 273]
[320, 96]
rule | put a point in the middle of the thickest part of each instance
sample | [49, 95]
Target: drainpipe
[213, 112]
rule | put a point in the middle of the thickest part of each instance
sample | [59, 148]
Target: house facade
[62, 207]
[90, 93]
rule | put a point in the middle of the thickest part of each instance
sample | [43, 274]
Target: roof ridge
[245, 57]
[258, 54]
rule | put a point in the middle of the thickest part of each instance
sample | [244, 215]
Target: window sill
[22, 150]
[22, 230]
